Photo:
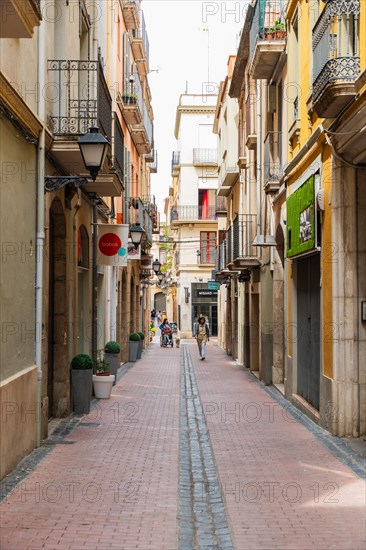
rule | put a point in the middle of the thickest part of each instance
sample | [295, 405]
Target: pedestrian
[153, 314]
[202, 335]
[158, 317]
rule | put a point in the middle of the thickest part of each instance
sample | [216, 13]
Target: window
[83, 247]
[207, 204]
[207, 247]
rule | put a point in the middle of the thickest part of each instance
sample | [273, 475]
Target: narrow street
[187, 454]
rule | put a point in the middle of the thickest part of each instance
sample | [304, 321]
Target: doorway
[278, 368]
[308, 330]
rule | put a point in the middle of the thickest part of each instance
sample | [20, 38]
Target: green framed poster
[301, 219]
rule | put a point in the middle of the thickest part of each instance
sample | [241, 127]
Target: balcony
[175, 162]
[222, 272]
[153, 161]
[250, 128]
[117, 149]
[131, 13]
[205, 157]
[267, 37]
[272, 166]
[142, 134]
[228, 176]
[335, 57]
[221, 256]
[151, 209]
[140, 47]
[130, 101]
[142, 211]
[192, 214]
[19, 17]
[221, 207]
[83, 101]
[242, 254]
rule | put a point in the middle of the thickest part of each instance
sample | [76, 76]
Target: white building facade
[193, 216]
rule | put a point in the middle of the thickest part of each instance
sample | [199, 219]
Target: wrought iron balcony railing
[335, 47]
[118, 148]
[229, 245]
[221, 206]
[268, 22]
[204, 156]
[175, 158]
[132, 91]
[154, 164]
[83, 98]
[273, 164]
[194, 212]
[141, 34]
[221, 256]
[244, 231]
[148, 125]
[142, 213]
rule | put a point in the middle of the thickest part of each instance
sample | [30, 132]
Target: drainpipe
[40, 236]
[94, 283]
[259, 153]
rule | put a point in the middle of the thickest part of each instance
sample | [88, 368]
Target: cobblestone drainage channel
[202, 518]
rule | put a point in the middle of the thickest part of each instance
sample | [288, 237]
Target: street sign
[213, 285]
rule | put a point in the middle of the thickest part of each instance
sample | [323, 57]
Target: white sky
[180, 47]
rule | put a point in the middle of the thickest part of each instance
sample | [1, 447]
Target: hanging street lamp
[156, 265]
[93, 147]
[136, 232]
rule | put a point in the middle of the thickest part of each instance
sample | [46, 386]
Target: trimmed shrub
[82, 362]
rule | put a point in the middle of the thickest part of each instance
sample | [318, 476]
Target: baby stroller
[166, 338]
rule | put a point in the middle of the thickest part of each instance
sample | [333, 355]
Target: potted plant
[280, 30]
[129, 99]
[111, 351]
[141, 344]
[134, 344]
[81, 383]
[269, 33]
[102, 380]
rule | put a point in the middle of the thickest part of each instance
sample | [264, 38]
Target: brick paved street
[187, 454]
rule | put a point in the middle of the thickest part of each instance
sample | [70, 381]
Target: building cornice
[191, 109]
[316, 139]
[242, 56]
[16, 104]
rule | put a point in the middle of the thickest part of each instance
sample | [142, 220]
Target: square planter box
[113, 362]
[133, 348]
[81, 386]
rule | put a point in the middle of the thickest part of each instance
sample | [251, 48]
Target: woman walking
[202, 335]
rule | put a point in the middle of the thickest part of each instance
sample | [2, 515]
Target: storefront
[303, 247]
[204, 302]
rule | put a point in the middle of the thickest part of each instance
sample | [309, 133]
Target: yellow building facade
[325, 212]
